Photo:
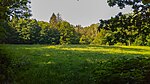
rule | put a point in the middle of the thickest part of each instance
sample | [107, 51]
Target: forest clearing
[74, 41]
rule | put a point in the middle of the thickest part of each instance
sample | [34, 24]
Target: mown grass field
[64, 64]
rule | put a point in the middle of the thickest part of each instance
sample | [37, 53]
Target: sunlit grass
[143, 50]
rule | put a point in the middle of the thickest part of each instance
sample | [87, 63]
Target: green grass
[64, 64]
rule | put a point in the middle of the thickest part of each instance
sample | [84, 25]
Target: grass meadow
[64, 64]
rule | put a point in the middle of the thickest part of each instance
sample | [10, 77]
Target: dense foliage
[129, 29]
[9, 9]
[31, 31]
[123, 29]
[18, 8]
[56, 31]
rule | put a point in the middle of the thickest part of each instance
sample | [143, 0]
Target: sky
[76, 12]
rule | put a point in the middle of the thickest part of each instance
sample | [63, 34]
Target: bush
[123, 71]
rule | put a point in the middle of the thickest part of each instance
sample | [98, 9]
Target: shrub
[123, 71]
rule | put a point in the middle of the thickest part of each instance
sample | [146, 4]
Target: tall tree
[58, 17]
[53, 21]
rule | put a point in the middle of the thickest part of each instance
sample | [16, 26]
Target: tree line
[123, 29]
[56, 31]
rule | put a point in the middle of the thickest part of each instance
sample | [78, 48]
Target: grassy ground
[64, 64]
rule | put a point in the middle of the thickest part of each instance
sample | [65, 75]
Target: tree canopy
[122, 3]
[10, 9]
[18, 8]
[132, 28]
